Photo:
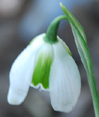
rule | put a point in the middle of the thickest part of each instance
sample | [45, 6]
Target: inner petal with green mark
[43, 64]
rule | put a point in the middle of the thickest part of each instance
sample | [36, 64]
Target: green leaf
[81, 43]
[72, 20]
[80, 40]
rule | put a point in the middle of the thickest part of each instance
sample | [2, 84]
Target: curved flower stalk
[50, 67]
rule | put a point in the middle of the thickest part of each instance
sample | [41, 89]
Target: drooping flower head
[49, 67]
[46, 63]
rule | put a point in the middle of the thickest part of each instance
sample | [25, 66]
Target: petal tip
[63, 108]
[14, 98]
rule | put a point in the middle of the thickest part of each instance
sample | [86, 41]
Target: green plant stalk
[84, 53]
[81, 43]
[90, 75]
[51, 34]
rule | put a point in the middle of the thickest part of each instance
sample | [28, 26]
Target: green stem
[51, 34]
[90, 74]
[81, 43]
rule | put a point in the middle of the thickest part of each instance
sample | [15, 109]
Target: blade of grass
[81, 43]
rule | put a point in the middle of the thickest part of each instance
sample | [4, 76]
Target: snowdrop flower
[48, 67]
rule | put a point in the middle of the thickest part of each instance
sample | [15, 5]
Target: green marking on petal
[32, 40]
[65, 46]
[43, 66]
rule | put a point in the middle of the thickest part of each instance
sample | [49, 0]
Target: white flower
[49, 67]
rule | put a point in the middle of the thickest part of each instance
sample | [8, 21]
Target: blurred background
[20, 22]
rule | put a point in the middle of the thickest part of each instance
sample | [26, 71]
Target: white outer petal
[65, 82]
[21, 72]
